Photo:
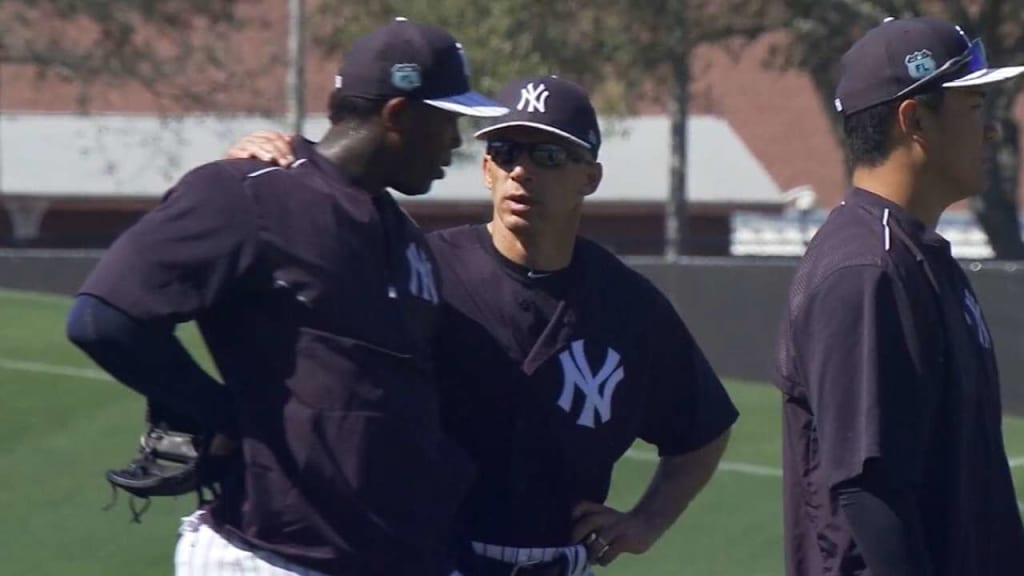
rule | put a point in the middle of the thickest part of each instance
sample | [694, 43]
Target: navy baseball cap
[416, 61]
[905, 57]
[551, 104]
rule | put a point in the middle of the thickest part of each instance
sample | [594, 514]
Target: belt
[489, 560]
[476, 565]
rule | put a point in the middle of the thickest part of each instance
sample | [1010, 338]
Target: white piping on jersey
[885, 225]
[262, 171]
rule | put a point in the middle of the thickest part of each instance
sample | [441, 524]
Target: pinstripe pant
[201, 551]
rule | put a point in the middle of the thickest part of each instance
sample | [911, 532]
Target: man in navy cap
[893, 455]
[554, 356]
[318, 300]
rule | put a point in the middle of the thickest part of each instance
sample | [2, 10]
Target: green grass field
[62, 423]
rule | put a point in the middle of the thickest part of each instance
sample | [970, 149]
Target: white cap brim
[480, 134]
[986, 76]
[470, 104]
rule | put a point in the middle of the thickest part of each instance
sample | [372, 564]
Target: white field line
[759, 470]
[641, 455]
[7, 294]
[56, 370]
[725, 465]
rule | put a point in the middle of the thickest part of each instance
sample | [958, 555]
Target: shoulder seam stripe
[263, 171]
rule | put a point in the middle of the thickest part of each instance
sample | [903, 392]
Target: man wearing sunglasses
[893, 455]
[554, 357]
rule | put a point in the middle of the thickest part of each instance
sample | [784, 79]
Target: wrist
[650, 526]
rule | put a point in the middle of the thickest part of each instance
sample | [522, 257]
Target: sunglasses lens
[549, 155]
[504, 153]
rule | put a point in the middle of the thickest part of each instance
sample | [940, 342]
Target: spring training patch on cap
[406, 77]
[920, 64]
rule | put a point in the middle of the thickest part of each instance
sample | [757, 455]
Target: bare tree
[173, 48]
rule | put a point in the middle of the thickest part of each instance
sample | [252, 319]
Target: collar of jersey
[307, 149]
[914, 227]
[516, 270]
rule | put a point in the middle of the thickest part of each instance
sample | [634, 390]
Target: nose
[519, 172]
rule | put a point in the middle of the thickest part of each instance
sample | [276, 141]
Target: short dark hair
[342, 107]
[867, 131]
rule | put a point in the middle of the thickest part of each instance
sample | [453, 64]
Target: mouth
[520, 202]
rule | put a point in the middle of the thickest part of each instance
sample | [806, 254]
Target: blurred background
[722, 157]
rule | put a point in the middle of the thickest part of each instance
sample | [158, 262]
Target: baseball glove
[167, 465]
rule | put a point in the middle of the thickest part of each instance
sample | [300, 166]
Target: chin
[976, 187]
[514, 223]
[407, 190]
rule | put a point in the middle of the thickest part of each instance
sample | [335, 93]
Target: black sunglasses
[545, 155]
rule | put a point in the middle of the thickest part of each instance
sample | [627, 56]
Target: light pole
[295, 81]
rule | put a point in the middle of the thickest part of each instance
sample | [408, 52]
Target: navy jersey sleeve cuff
[712, 430]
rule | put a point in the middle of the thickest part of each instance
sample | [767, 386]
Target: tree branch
[956, 12]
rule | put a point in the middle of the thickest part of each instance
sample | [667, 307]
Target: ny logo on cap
[406, 76]
[920, 64]
[533, 97]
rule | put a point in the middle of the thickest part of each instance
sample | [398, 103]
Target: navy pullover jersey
[884, 355]
[318, 302]
[548, 378]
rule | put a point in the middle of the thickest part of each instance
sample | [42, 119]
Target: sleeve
[687, 406]
[885, 525]
[147, 357]
[855, 355]
[180, 257]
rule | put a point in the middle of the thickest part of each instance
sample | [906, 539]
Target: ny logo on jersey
[972, 312]
[534, 98]
[421, 274]
[597, 389]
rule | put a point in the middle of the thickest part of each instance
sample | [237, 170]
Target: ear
[485, 165]
[394, 115]
[594, 174]
[909, 120]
